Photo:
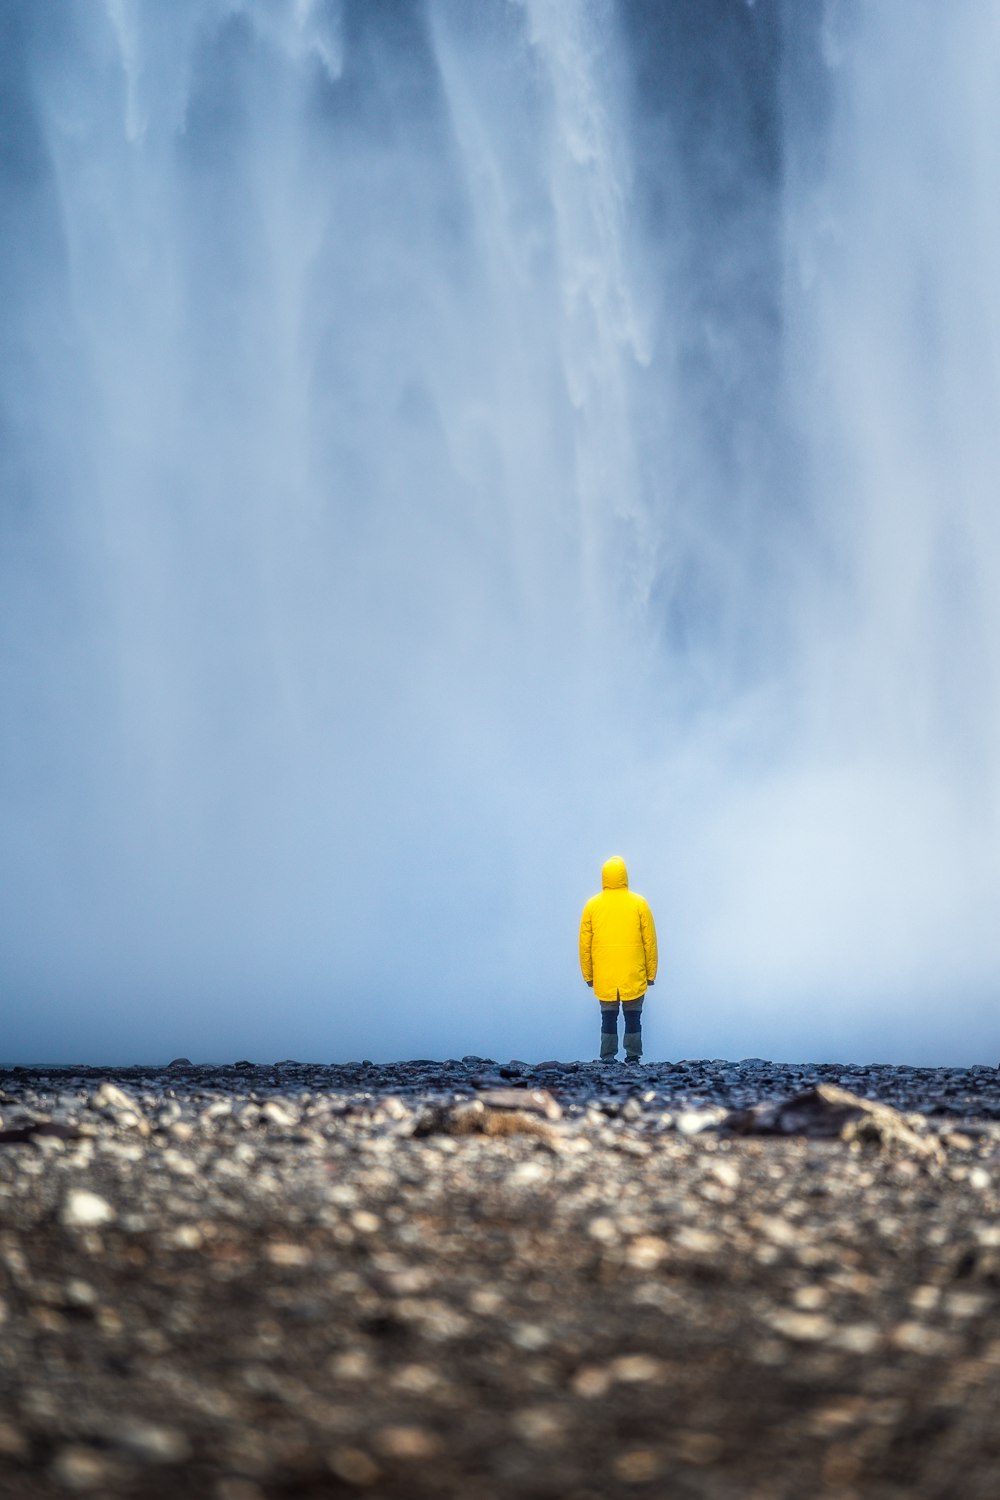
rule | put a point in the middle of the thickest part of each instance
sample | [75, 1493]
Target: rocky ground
[730, 1281]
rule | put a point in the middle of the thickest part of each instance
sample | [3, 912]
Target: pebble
[354, 1466]
[78, 1467]
[694, 1121]
[86, 1210]
[151, 1442]
[442, 1278]
[13, 1443]
[411, 1443]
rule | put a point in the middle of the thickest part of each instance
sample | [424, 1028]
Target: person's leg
[632, 1011]
[609, 1030]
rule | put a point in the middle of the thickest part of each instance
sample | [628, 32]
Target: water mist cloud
[444, 445]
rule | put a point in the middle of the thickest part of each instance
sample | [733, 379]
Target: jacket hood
[614, 876]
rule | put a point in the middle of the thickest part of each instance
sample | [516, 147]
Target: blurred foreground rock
[827, 1111]
[736, 1281]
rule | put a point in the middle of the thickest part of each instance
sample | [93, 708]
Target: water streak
[444, 444]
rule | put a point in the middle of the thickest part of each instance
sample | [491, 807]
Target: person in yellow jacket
[618, 957]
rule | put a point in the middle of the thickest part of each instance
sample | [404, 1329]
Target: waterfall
[442, 445]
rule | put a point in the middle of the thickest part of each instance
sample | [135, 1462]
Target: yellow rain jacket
[617, 938]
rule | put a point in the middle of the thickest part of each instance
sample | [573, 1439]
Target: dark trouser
[632, 1011]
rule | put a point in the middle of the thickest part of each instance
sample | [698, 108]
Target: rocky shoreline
[749, 1281]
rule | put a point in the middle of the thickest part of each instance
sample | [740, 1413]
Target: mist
[442, 446]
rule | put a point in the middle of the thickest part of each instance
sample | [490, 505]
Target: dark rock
[21, 1135]
[830, 1112]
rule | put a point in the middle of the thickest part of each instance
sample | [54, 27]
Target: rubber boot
[609, 1046]
[632, 1011]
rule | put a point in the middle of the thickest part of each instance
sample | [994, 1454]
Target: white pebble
[84, 1210]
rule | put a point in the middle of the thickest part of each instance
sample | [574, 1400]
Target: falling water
[441, 445]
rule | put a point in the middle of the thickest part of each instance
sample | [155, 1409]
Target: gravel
[737, 1281]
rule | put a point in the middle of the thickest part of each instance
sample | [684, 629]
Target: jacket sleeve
[586, 939]
[648, 929]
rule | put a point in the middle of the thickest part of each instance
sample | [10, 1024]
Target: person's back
[618, 957]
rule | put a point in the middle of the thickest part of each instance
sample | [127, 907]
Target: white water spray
[444, 445]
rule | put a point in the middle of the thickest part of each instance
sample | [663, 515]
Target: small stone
[79, 1294]
[351, 1364]
[80, 1468]
[365, 1222]
[638, 1466]
[182, 1165]
[86, 1210]
[697, 1447]
[966, 1304]
[776, 1229]
[284, 1253]
[184, 1237]
[110, 1097]
[541, 1426]
[694, 1121]
[394, 1108]
[802, 1327]
[726, 1173]
[636, 1369]
[916, 1338]
[530, 1336]
[354, 1466]
[237, 1489]
[697, 1241]
[416, 1380]
[526, 1172]
[811, 1298]
[646, 1252]
[48, 1319]
[13, 1443]
[408, 1443]
[152, 1442]
[591, 1382]
[279, 1114]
